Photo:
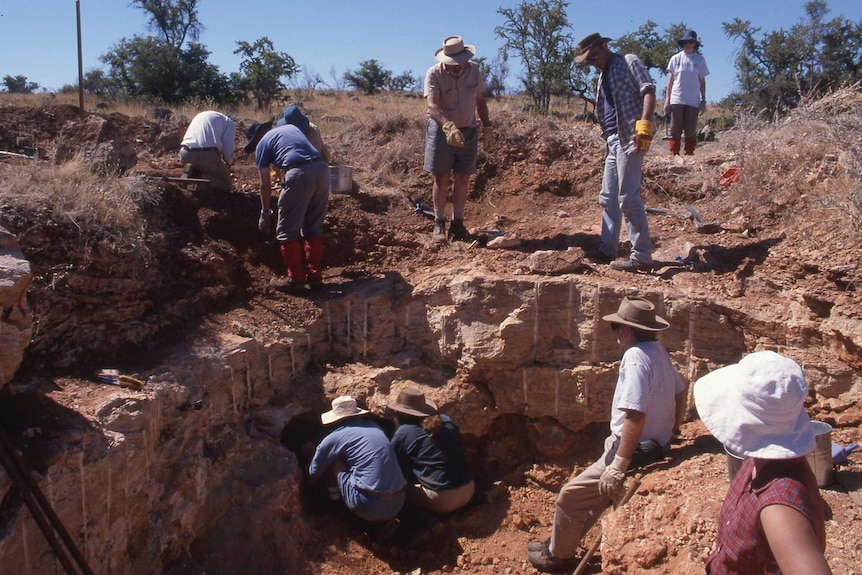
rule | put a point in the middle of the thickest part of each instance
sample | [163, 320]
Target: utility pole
[80, 61]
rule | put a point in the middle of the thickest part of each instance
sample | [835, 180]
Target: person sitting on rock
[429, 450]
[358, 462]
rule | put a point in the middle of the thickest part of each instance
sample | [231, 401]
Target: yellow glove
[644, 129]
[454, 137]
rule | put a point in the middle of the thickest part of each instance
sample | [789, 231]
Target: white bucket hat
[342, 406]
[755, 407]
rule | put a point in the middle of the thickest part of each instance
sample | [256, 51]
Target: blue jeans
[621, 197]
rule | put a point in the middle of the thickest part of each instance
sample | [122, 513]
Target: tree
[19, 85]
[538, 33]
[263, 69]
[170, 67]
[403, 82]
[495, 74]
[654, 48]
[371, 77]
[777, 70]
[174, 20]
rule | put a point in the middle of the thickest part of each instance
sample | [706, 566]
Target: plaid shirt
[740, 549]
[628, 79]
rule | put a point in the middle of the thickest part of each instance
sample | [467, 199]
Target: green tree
[19, 85]
[538, 32]
[170, 66]
[653, 47]
[263, 68]
[495, 74]
[403, 82]
[371, 77]
[777, 70]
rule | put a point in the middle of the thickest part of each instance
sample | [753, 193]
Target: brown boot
[313, 257]
[291, 254]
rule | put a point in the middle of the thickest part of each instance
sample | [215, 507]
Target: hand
[454, 137]
[264, 222]
[487, 137]
[613, 477]
[703, 106]
[667, 108]
[644, 130]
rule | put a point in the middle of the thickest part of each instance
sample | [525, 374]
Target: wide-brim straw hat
[588, 43]
[454, 51]
[342, 406]
[756, 407]
[412, 401]
[639, 313]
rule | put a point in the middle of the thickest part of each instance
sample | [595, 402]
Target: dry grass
[103, 210]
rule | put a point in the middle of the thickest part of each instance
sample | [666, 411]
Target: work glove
[703, 106]
[264, 222]
[487, 137]
[454, 137]
[613, 477]
[644, 129]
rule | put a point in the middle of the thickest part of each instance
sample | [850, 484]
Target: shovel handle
[630, 491]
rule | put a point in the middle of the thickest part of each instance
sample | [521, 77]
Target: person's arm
[633, 425]
[667, 92]
[792, 541]
[265, 188]
[482, 109]
[434, 110]
[703, 89]
[680, 403]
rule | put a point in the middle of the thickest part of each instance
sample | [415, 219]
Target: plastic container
[820, 459]
[340, 179]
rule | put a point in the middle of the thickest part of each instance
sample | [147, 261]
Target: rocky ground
[786, 242]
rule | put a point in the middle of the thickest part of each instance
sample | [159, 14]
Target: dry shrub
[101, 209]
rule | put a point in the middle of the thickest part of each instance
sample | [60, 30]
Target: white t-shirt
[648, 383]
[687, 70]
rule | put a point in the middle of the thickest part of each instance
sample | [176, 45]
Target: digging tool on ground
[46, 518]
[633, 485]
[702, 226]
[176, 179]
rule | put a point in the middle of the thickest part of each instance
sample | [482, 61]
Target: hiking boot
[284, 283]
[537, 546]
[597, 256]
[439, 233]
[458, 233]
[629, 265]
[544, 561]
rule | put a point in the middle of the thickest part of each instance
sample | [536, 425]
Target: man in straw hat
[358, 457]
[454, 89]
[625, 107]
[648, 404]
[772, 519]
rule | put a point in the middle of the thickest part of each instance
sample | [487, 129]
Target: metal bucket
[734, 462]
[820, 459]
[340, 179]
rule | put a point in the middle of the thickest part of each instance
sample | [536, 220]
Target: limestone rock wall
[16, 318]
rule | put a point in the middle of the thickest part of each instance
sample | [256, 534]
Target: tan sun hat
[638, 312]
[454, 51]
[411, 401]
[342, 406]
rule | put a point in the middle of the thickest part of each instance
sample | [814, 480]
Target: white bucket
[820, 459]
[340, 179]
[734, 462]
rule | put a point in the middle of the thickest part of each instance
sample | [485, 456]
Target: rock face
[188, 475]
[16, 318]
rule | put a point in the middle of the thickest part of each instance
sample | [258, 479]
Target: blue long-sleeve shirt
[367, 453]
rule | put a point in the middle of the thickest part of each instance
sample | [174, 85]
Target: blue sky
[39, 39]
